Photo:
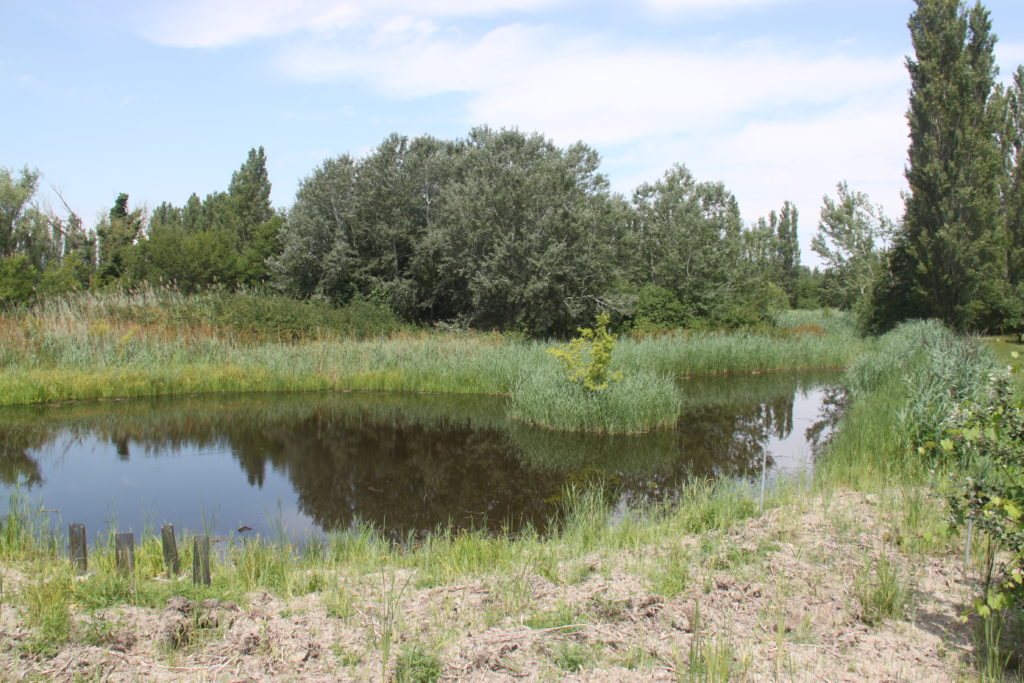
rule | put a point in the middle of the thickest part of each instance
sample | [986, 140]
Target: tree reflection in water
[410, 464]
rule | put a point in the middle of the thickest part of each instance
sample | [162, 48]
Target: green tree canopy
[852, 239]
[949, 258]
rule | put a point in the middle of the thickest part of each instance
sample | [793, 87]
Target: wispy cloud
[574, 87]
[702, 5]
[221, 23]
[772, 122]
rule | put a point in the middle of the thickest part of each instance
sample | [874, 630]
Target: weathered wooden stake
[170, 549]
[76, 547]
[124, 552]
[764, 474]
[967, 547]
[201, 560]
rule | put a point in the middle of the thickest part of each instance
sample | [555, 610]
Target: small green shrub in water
[586, 358]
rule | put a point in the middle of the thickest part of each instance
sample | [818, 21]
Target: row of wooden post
[124, 552]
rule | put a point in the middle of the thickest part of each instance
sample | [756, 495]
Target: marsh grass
[900, 395]
[640, 402]
[156, 342]
[704, 353]
[45, 602]
[588, 526]
[25, 531]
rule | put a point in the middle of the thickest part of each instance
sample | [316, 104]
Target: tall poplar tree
[1013, 149]
[788, 244]
[949, 260]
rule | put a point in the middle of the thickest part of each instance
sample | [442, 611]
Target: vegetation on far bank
[159, 342]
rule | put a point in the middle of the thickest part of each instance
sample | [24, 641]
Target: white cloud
[1009, 56]
[582, 88]
[220, 23]
[799, 158]
[771, 123]
[685, 5]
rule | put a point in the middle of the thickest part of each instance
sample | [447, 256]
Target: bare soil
[775, 598]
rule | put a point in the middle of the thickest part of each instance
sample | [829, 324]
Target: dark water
[303, 463]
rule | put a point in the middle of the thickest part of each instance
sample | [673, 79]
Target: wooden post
[201, 560]
[76, 547]
[124, 552]
[170, 550]
[764, 474]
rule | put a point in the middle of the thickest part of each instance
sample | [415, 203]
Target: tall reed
[640, 402]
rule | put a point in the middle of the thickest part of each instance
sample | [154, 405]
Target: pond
[301, 464]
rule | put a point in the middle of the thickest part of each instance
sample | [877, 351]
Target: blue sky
[779, 99]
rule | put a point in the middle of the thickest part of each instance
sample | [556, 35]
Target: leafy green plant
[987, 438]
[586, 358]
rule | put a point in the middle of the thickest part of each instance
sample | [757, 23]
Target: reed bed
[900, 395]
[640, 402]
[706, 353]
[157, 342]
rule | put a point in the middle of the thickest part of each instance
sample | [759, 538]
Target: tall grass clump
[642, 401]
[933, 369]
[900, 395]
[685, 354]
[25, 531]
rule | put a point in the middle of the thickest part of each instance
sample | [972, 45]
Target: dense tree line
[499, 230]
[506, 230]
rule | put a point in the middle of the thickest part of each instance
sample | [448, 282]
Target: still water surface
[304, 463]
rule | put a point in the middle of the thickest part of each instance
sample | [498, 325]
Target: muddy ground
[790, 596]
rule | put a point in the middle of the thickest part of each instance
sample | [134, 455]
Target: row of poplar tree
[506, 230]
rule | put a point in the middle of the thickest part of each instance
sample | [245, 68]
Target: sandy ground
[775, 598]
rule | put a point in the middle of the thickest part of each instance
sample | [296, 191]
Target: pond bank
[753, 600]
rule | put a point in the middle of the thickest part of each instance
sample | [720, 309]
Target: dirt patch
[779, 597]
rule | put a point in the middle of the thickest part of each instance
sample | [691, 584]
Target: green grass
[288, 570]
[159, 342]
[416, 664]
[900, 394]
[1004, 348]
[640, 402]
[684, 354]
[882, 589]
